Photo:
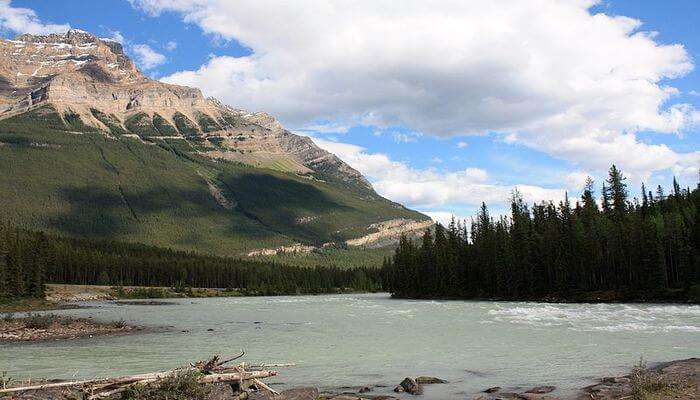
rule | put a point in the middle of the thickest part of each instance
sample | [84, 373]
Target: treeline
[639, 249]
[32, 259]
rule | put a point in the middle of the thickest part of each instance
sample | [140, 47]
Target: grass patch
[648, 384]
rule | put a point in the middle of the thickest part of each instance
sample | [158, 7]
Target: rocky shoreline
[673, 380]
[43, 327]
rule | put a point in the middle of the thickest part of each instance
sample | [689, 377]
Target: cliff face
[79, 74]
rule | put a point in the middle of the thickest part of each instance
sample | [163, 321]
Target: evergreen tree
[638, 251]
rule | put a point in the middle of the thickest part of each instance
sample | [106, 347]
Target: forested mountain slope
[90, 147]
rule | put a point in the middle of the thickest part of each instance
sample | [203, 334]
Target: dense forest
[612, 249]
[29, 259]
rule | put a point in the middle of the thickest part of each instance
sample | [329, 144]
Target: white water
[354, 340]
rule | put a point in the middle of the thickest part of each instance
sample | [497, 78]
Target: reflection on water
[353, 340]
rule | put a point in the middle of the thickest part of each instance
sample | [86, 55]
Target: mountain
[91, 147]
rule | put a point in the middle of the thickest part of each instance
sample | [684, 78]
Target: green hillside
[61, 176]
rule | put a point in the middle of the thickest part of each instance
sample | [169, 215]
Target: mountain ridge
[80, 73]
[161, 164]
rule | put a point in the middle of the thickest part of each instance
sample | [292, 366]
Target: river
[353, 340]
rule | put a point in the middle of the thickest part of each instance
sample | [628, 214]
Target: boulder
[410, 385]
[429, 380]
[365, 389]
[493, 389]
[399, 389]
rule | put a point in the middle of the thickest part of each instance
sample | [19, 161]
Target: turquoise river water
[354, 340]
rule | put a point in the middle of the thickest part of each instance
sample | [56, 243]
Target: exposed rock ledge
[387, 233]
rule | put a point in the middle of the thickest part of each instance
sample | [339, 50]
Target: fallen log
[92, 385]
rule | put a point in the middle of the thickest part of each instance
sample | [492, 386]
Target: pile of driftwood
[215, 370]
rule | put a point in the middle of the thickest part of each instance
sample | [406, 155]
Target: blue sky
[441, 107]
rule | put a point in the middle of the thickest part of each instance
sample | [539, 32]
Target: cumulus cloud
[171, 45]
[546, 74]
[576, 180]
[326, 128]
[25, 20]
[146, 57]
[427, 189]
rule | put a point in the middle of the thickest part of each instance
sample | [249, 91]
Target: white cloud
[548, 75]
[326, 128]
[25, 20]
[694, 93]
[146, 57]
[407, 137]
[429, 188]
[575, 181]
[117, 36]
[462, 145]
[171, 45]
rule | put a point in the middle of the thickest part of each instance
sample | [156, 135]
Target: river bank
[43, 327]
[673, 380]
[60, 296]
[64, 296]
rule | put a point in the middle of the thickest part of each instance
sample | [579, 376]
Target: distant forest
[615, 249]
[612, 249]
[29, 259]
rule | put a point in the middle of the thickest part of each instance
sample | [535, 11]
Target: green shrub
[646, 382]
[40, 321]
[180, 386]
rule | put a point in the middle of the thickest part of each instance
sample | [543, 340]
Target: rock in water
[410, 385]
[429, 380]
[493, 389]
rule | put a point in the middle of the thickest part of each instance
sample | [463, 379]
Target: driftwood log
[213, 370]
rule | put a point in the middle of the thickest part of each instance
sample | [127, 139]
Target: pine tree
[618, 191]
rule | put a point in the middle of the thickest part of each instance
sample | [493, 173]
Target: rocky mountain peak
[79, 74]
[73, 36]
